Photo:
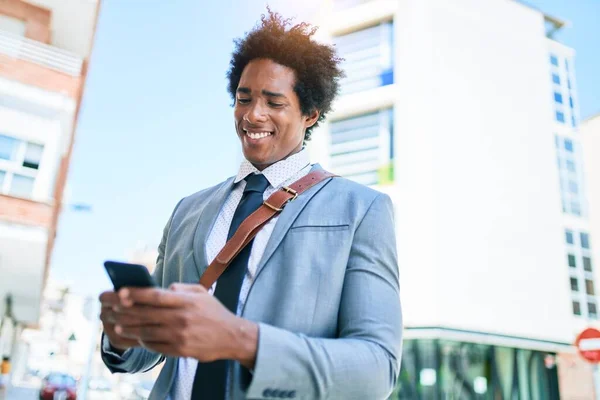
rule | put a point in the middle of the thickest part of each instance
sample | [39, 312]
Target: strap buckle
[287, 190]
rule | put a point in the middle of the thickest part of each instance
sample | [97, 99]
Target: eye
[272, 104]
[243, 101]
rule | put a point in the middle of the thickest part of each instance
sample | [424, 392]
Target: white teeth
[258, 135]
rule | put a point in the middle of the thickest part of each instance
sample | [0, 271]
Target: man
[310, 309]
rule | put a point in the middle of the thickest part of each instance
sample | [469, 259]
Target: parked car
[58, 386]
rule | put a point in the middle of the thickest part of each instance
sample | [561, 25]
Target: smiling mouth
[257, 135]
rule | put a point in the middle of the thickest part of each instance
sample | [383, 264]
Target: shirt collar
[279, 172]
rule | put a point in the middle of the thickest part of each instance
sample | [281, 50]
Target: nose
[256, 113]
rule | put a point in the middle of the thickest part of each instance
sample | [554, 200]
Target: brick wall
[37, 75]
[25, 211]
[36, 18]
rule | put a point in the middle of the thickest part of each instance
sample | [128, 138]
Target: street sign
[588, 345]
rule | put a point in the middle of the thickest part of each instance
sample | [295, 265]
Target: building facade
[465, 113]
[44, 50]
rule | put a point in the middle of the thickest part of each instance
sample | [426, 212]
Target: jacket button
[267, 393]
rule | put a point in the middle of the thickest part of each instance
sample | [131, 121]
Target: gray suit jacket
[325, 295]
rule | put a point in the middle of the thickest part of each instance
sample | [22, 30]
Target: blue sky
[156, 122]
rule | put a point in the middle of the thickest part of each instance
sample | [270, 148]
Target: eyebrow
[246, 90]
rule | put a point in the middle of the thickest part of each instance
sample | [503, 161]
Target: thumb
[187, 287]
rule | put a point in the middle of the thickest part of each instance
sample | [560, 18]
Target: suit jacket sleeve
[138, 359]
[364, 361]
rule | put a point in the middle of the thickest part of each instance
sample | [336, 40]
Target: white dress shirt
[279, 174]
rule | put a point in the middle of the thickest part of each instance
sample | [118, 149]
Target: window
[572, 262]
[585, 240]
[8, 148]
[368, 58]
[573, 122]
[574, 284]
[554, 60]
[589, 287]
[568, 145]
[558, 97]
[556, 79]
[575, 208]
[361, 147]
[569, 236]
[571, 102]
[33, 155]
[566, 64]
[22, 186]
[560, 116]
[19, 162]
[573, 187]
[569, 83]
[570, 166]
[587, 264]
[592, 310]
[576, 308]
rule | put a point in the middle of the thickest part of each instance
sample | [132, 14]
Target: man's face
[268, 119]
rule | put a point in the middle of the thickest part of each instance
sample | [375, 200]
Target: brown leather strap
[255, 221]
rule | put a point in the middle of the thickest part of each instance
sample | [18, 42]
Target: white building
[453, 108]
[44, 49]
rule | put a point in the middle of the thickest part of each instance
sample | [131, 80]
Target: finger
[187, 287]
[142, 315]
[148, 333]
[152, 297]
[108, 297]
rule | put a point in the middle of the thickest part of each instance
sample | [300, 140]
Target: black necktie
[211, 378]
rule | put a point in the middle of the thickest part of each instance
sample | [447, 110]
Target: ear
[311, 119]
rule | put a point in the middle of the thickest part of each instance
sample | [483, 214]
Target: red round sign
[588, 345]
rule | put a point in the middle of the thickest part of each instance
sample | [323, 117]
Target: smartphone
[124, 274]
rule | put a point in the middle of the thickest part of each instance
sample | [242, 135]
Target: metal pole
[596, 374]
[85, 379]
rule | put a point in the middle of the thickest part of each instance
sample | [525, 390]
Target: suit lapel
[286, 218]
[206, 221]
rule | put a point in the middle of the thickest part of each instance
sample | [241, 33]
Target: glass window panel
[576, 308]
[569, 237]
[556, 79]
[575, 208]
[589, 287]
[568, 83]
[572, 262]
[585, 240]
[573, 188]
[574, 284]
[560, 116]
[587, 264]
[368, 58]
[573, 122]
[571, 166]
[33, 155]
[21, 186]
[592, 310]
[558, 97]
[571, 102]
[568, 145]
[554, 60]
[8, 147]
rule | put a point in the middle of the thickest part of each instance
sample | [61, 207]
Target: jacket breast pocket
[319, 228]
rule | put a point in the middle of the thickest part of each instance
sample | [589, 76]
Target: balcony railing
[48, 56]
